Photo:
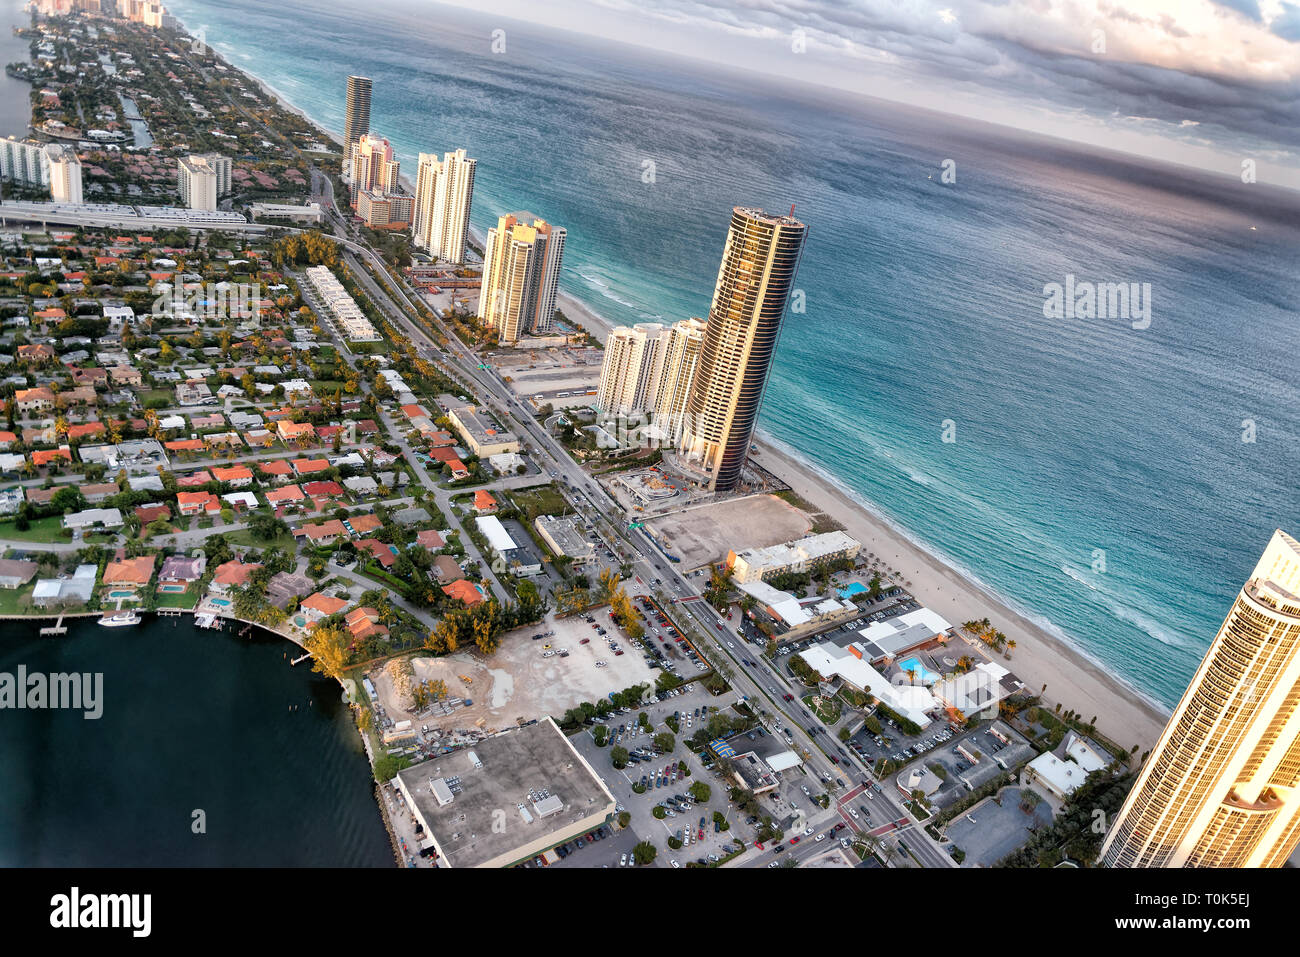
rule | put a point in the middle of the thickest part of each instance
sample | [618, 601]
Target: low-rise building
[548, 790]
[564, 536]
[517, 556]
[797, 557]
[93, 518]
[1062, 774]
[483, 436]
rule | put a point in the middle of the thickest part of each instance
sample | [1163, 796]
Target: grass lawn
[16, 601]
[47, 530]
[539, 500]
[186, 599]
[829, 712]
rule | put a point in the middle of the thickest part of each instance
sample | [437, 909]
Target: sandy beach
[1039, 658]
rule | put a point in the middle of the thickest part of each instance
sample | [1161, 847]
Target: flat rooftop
[508, 797]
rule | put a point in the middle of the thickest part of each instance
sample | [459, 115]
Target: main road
[591, 498]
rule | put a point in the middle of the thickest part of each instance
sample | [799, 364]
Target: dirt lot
[517, 682]
[706, 533]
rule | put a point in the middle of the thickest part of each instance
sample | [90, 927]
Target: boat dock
[58, 628]
[300, 659]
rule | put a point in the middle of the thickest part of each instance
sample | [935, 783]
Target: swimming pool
[921, 673]
[220, 602]
[855, 588]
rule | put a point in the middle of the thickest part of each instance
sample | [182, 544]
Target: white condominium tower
[24, 161]
[443, 193]
[357, 122]
[521, 272]
[1222, 787]
[759, 262]
[426, 191]
[629, 377]
[65, 173]
[203, 179]
[681, 358]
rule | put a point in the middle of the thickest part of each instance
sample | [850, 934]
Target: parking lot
[658, 770]
[668, 646]
[990, 831]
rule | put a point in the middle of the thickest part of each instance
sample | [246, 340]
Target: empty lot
[706, 533]
[518, 683]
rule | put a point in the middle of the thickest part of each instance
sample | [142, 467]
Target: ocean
[191, 721]
[1100, 479]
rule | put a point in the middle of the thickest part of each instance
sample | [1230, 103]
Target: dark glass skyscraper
[759, 263]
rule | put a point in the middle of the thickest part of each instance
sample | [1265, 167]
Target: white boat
[120, 620]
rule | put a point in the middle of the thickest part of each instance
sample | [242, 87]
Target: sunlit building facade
[1222, 787]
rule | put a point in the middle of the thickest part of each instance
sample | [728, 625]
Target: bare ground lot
[518, 683]
[706, 533]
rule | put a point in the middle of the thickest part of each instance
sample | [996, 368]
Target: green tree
[618, 755]
[644, 853]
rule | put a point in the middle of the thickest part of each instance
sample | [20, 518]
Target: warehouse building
[511, 797]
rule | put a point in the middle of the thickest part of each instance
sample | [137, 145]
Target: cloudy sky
[1207, 83]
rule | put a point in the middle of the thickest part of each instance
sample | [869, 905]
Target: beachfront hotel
[443, 194]
[357, 122]
[755, 279]
[1222, 787]
[521, 274]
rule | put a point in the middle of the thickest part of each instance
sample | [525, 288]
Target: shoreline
[1041, 657]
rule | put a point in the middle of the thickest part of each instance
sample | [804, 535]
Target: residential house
[364, 623]
[238, 476]
[285, 495]
[465, 591]
[197, 503]
[318, 606]
[324, 533]
[128, 573]
[40, 399]
[182, 569]
[231, 574]
[378, 550]
[15, 574]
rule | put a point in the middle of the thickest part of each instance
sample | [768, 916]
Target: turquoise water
[1098, 481]
[920, 672]
[854, 588]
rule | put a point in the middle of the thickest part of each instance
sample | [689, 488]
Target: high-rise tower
[357, 122]
[521, 271]
[759, 263]
[1222, 787]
